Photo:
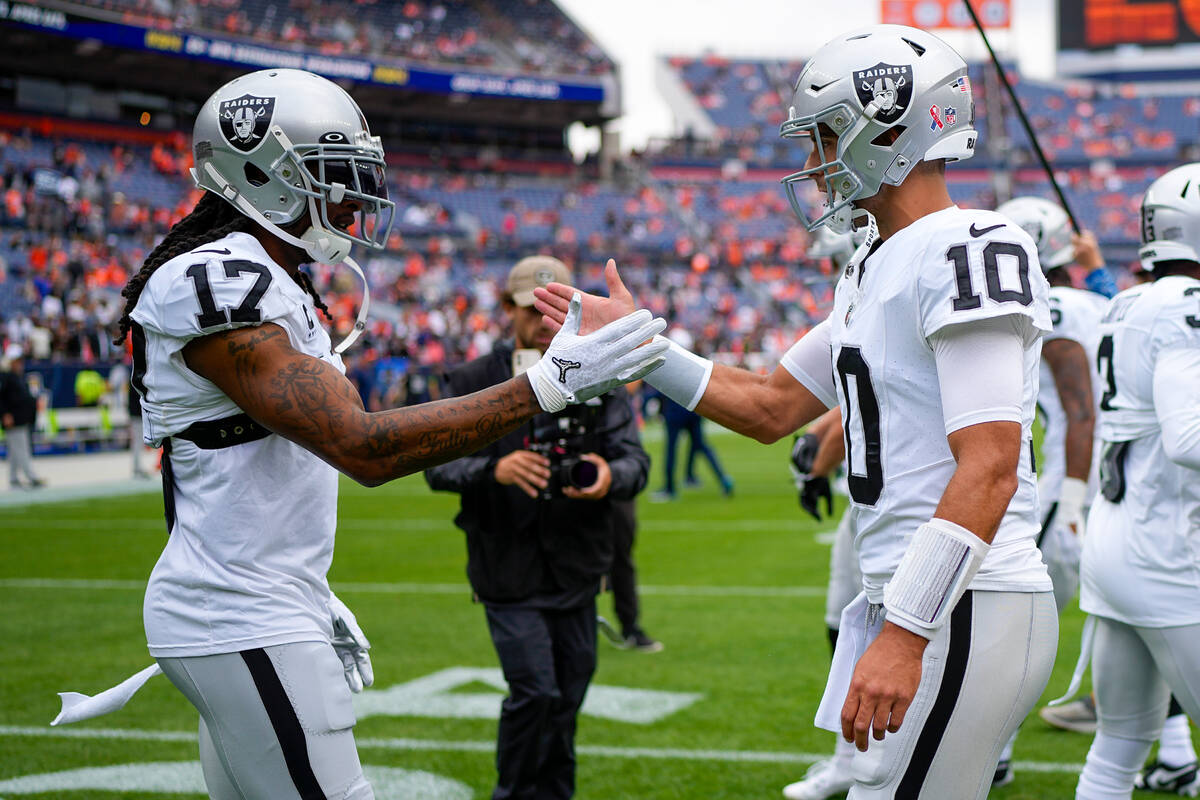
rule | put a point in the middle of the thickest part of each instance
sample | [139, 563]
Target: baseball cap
[531, 272]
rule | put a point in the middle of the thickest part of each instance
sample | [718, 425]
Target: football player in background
[1141, 559]
[935, 340]
[240, 385]
[815, 457]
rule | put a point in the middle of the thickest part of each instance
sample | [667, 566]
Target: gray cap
[534, 271]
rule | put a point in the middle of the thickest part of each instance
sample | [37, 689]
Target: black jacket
[521, 549]
[16, 399]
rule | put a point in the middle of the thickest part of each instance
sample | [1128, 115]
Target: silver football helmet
[1171, 218]
[859, 87]
[281, 142]
[1047, 224]
[837, 247]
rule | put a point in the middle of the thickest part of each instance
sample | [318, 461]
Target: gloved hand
[351, 645]
[576, 368]
[812, 487]
[1071, 499]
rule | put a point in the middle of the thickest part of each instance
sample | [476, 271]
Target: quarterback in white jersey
[241, 388]
[932, 354]
[1141, 558]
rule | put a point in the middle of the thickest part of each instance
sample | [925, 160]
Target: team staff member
[932, 354]
[538, 550]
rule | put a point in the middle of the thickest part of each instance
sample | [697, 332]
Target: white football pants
[980, 675]
[845, 581]
[276, 723]
[1134, 672]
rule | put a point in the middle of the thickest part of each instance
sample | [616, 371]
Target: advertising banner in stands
[255, 56]
[933, 14]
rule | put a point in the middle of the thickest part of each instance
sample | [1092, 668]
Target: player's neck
[897, 207]
[285, 255]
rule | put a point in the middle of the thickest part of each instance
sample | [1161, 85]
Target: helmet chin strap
[320, 244]
[869, 231]
[360, 324]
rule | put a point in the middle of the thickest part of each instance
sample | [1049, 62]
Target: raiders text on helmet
[282, 142]
[1171, 218]
[1047, 224]
[859, 87]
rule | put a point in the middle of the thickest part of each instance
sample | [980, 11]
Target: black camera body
[563, 444]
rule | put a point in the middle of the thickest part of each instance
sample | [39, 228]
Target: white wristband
[683, 377]
[937, 566]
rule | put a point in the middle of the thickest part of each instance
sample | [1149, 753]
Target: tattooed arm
[309, 402]
[1072, 377]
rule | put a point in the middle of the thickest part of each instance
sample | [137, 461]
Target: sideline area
[82, 477]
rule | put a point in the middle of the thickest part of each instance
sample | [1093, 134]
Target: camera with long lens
[562, 442]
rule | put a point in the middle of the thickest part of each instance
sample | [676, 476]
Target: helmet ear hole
[254, 175]
[887, 137]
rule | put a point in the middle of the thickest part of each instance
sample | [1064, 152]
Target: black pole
[1012, 95]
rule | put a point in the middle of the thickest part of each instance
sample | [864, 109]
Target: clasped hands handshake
[601, 343]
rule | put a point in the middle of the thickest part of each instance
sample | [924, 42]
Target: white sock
[1112, 766]
[1006, 753]
[1175, 744]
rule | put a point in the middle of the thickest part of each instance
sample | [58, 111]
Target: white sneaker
[823, 779]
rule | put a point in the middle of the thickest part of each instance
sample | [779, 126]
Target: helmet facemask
[842, 186]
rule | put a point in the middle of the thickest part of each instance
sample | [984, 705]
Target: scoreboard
[1130, 39]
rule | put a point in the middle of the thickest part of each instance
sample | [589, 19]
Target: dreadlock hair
[211, 219]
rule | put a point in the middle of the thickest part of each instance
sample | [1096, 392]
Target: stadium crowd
[528, 35]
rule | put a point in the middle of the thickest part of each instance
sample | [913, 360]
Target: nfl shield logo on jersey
[244, 120]
[889, 85]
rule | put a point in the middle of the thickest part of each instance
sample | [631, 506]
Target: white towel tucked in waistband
[853, 637]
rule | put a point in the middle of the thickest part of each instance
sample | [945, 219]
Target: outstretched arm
[763, 407]
[309, 402]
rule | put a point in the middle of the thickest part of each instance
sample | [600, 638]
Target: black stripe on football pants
[958, 650]
[285, 722]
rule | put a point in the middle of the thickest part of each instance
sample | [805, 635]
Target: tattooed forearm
[308, 401]
[1072, 378]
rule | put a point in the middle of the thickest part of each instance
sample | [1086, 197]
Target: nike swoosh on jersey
[976, 232]
[220, 252]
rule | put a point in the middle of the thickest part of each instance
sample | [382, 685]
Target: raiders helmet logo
[890, 86]
[244, 120]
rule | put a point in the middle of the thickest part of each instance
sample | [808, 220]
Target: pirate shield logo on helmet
[889, 85]
[244, 120]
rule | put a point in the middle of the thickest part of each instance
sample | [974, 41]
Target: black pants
[623, 574]
[548, 657]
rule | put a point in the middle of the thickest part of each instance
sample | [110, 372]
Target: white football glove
[351, 645]
[1071, 499]
[577, 368]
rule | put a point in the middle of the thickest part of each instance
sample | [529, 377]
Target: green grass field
[734, 588]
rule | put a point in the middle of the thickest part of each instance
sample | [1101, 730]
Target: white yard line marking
[375, 743]
[435, 588]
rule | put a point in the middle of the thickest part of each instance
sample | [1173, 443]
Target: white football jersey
[1141, 556]
[1075, 314]
[952, 267]
[244, 565]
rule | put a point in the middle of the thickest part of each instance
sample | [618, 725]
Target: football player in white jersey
[1141, 557]
[241, 387]
[1068, 393]
[815, 457]
[932, 353]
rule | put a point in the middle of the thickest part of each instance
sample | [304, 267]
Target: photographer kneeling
[537, 511]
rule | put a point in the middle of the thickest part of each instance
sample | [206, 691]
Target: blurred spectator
[18, 414]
